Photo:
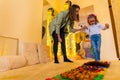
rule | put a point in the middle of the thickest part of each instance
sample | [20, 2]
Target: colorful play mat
[92, 70]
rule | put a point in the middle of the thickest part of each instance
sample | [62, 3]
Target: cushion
[29, 50]
[44, 54]
[11, 62]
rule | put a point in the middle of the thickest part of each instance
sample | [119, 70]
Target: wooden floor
[43, 71]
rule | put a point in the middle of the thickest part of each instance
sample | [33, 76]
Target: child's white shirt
[95, 29]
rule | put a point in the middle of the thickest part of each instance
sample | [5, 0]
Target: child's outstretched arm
[106, 26]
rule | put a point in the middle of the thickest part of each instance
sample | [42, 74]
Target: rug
[93, 70]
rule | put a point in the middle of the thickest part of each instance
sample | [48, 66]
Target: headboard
[8, 46]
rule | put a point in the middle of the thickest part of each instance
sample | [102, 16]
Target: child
[87, 47]
[94, 31]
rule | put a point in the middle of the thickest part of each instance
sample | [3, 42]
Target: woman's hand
[59, 38]
[84, 27]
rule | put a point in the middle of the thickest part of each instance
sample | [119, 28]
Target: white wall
[116, 12]
[21, 19]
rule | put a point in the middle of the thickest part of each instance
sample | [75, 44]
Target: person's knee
[98, 48]
[94, 49]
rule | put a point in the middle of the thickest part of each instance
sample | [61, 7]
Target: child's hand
[107, 25]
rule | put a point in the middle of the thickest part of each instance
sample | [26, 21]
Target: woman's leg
[55, 47]
[63, 47]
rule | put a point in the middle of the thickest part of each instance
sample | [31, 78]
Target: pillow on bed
[44, 54]
[11, 62]
[29, 50]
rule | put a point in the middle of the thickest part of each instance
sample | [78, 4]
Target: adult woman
[58, 28]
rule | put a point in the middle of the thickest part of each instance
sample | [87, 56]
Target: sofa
[30, 54]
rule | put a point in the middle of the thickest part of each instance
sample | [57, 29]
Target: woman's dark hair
[51, 9]
[72, 12]
[92, 16]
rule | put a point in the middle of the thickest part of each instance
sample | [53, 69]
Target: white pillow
[11, 62]
[44, 54]
[29, 50]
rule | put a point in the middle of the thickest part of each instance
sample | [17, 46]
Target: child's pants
[96, 43]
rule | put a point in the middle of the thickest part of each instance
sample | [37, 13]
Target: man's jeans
[96, 43]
